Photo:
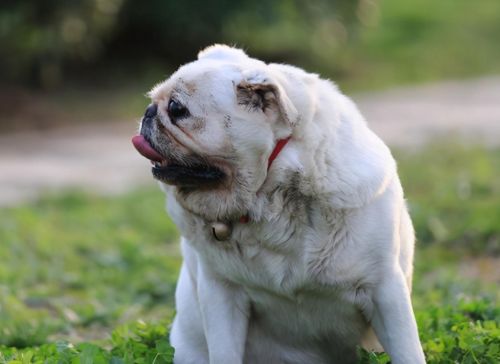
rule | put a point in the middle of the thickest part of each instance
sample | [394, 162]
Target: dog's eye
[176, 110]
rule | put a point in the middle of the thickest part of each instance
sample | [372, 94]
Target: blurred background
[69, 61]
[85, 243]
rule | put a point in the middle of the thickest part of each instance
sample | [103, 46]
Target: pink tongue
[143, 147]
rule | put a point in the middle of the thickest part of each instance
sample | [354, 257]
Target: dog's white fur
[327, 254]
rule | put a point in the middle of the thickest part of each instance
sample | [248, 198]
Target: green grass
[395, 42]
[88, 279]
[135, 343]
[418, 41]
[454, 196]
[75, 265]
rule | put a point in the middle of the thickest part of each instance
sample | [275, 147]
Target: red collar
[280, 144]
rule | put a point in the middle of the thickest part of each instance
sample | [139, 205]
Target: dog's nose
[151, 111]
[148, 119]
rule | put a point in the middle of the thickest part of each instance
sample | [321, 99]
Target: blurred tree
[170, 30]
[41, 38]
[276, 30]
[306, 33]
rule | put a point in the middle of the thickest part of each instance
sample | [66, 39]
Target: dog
[296, 239]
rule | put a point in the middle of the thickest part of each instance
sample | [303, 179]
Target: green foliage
[360, 43]
[138, 343]
[46, 36]
[38, 37]
[142, 343]
[307, 33]
[466, 333]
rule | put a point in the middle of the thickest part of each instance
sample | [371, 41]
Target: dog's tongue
[142, 145]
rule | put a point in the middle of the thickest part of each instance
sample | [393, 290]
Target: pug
[296, 239]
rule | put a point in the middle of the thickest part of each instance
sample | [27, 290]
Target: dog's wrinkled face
[210, 129]
[173, 141]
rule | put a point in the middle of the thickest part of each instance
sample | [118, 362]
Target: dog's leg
[225, 311]
[394, 322]
[186, 335]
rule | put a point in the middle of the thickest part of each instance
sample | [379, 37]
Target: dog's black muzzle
[194, 173]
[148, 119]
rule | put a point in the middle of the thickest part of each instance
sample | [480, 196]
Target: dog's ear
[266, 96]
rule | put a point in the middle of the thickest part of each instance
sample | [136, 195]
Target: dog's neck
[280, 144]
[238, 201]
[222, 230]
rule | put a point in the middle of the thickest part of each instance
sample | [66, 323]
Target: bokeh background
[361, 43]
[85, 247]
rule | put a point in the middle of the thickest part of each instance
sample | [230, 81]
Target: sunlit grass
[75, 266]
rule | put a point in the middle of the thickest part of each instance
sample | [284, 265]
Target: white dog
[296, 238]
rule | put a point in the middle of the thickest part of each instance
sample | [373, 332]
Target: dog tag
[221, 231]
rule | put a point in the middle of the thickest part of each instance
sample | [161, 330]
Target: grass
[454, 196]
[76, 265]
[420, 41]
[88, 279]
[396, 42]
[134, 343]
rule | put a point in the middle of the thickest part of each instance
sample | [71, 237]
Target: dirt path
[100, 157]
[411, 116]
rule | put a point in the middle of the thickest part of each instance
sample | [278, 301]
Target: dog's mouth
[193, 175]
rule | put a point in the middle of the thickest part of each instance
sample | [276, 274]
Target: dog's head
[211, 128]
